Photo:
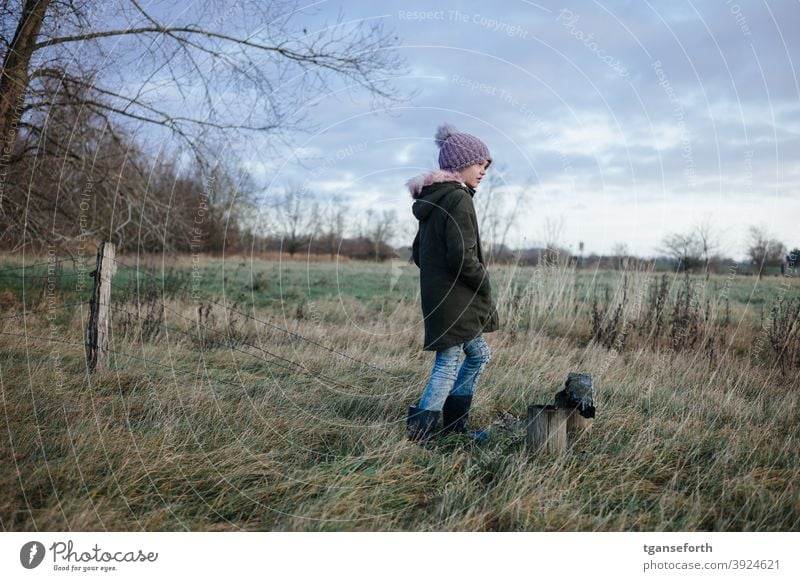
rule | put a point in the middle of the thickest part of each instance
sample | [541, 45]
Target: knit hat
[458, 150]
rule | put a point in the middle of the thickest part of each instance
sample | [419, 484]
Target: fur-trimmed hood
[416, 184]
[430, 188]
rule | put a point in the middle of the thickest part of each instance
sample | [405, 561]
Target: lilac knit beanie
[458, 150]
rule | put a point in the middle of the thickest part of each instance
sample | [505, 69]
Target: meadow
[251, 394]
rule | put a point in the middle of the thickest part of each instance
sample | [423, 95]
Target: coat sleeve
[415, 249]
[462, 242]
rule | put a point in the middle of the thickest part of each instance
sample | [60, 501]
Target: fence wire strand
[279, 328]
[124, 354]
[229, 343]
[43, 310]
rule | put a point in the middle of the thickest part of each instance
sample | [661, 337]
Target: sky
[622, 122]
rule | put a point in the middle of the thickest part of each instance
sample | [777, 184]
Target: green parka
[456, 293]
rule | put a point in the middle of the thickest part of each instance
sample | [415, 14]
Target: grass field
[271, 395]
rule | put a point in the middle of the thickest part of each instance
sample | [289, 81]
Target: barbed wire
[231, 343]
[233, 310]
[284, 330]
[59, 274]
[24, 266]
[140, 269]
[299, 336]
[43, 310]
[124, 354]
[137, 269]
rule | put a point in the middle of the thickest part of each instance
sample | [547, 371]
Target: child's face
[473, 174]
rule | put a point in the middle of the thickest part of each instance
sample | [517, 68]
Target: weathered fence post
[96, 337]
[546, 429]
[576, 424]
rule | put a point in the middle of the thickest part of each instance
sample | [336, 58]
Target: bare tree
[550, 238]
[708, 241]
[620, 254]
[333, 226]
[103, 185]
[198, 75]
[685, 248]
[213, 47]
[498, 211]
[298, 217]
[552, 231]
[379, 228]
[763, 250]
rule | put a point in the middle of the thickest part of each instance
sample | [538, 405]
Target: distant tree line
[296, 222]
[700, 249]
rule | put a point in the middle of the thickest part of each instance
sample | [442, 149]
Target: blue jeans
[445, 381]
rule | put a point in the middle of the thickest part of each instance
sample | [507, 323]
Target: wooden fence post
[577, 425]
[546, 429]
[96, 337]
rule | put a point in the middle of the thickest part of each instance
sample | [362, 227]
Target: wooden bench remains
[552, 427]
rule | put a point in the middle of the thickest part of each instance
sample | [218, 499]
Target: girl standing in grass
[456, 294]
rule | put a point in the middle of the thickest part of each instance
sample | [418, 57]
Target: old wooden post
[96, 337]
[547, 429]
[576, 424]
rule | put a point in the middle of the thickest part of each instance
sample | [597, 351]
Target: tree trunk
[14, 78]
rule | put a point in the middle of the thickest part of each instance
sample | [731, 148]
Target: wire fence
[117, 352]
[23, 267]
[207, 335]
[236, 344]
[230, 309]
[47, 309]
[57, 273]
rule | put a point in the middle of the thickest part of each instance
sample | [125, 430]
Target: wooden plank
[546, 429]
[576, 424]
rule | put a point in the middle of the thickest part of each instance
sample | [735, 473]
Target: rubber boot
[455, 414]
[421, 424]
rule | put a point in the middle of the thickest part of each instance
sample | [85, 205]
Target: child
[457, 302]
